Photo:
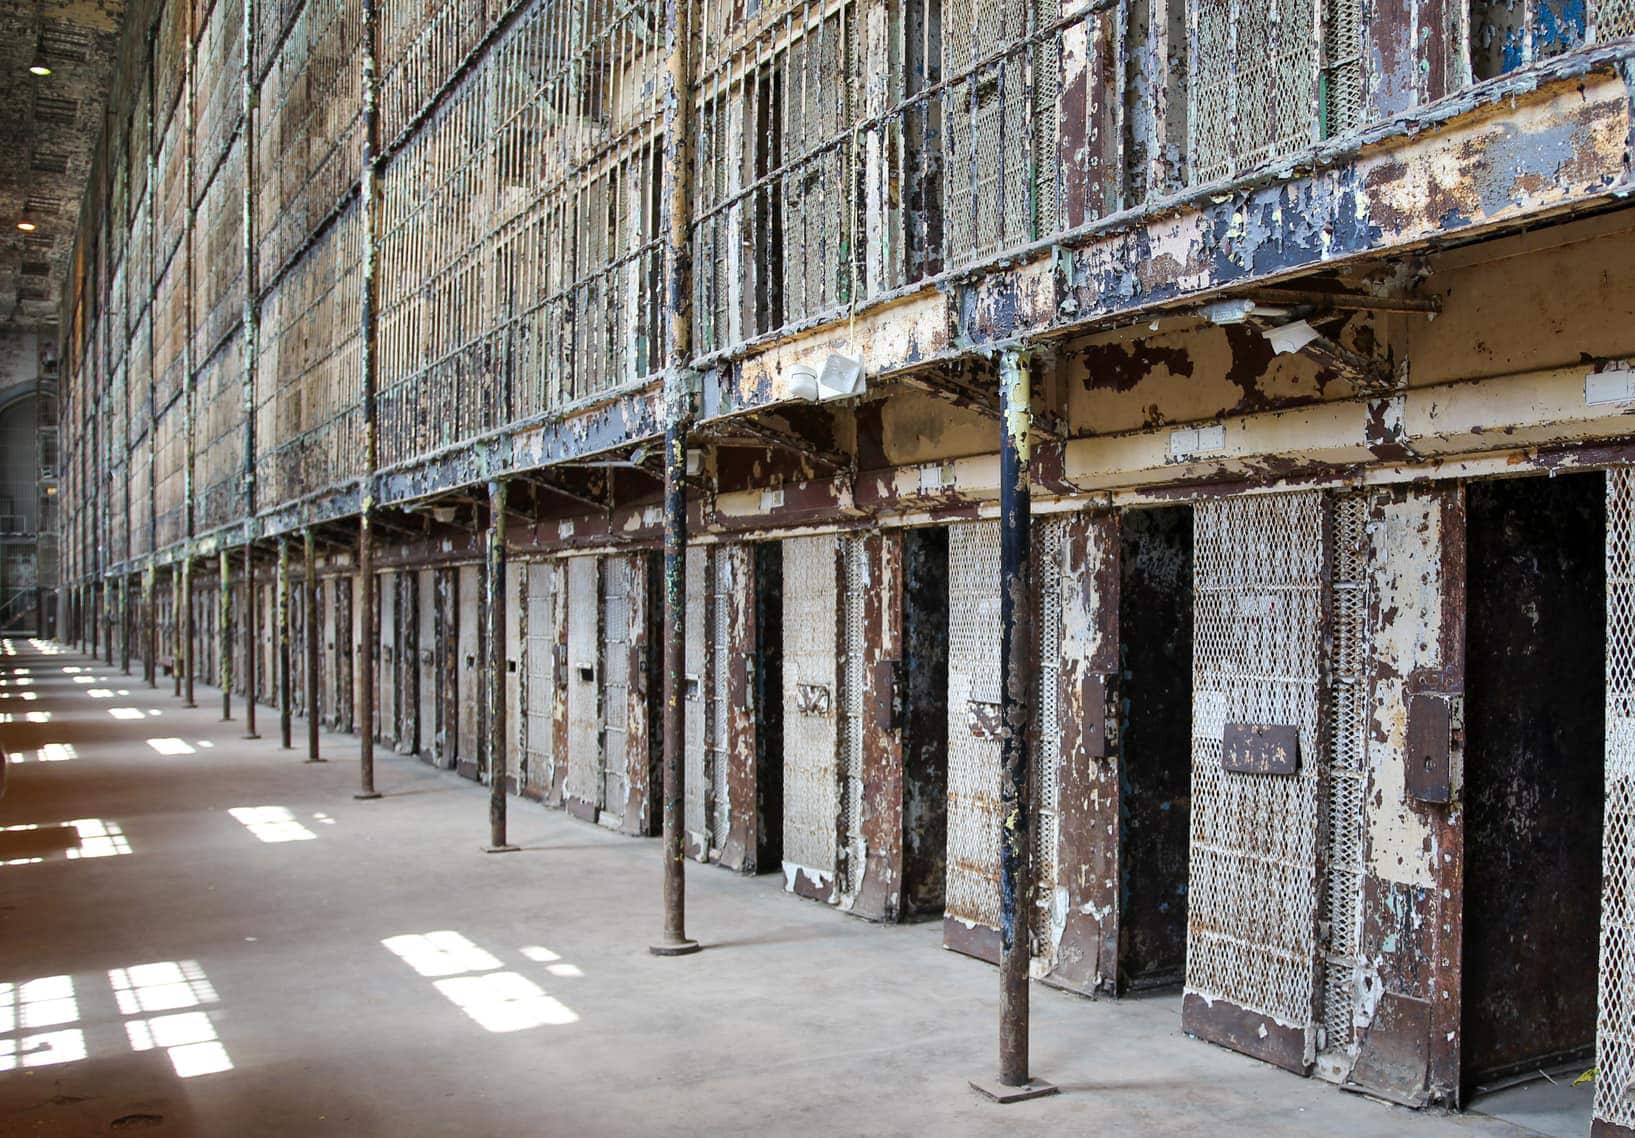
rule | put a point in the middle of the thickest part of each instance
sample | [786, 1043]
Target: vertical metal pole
[366, 660]
[185, 616]
[495, 625]
[252, 632]
[150, 624]
[125, 619]
[284, 641]
[224, 634]
[1016, 604]
[369, 204]
[676, 189]
[309, 643]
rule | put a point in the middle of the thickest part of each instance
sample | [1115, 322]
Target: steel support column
[224, 634]
[309, 641]
[1016, 607]
[251, 632]
[494, 623]
[283, 619]
[676, 190]
[184, 618]
[365, 677]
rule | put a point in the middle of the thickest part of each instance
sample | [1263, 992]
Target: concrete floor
[383, 976]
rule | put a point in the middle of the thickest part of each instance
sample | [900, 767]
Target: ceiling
[49, 129]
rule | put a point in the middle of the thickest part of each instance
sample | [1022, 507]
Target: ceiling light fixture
[39, 67]
[27, 226]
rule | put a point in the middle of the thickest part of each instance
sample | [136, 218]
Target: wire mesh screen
[973, 739]
[1615, 1023]
[856, 578]
[219, 427]
[1343, 97]
[1252, 94]
[811, 777]
[1046, 777]
[1614, 18]
[1257, 659]
[1347, 724]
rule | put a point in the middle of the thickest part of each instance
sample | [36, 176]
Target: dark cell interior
[1534, 717]
[924, 692]
[1155, 657]
[769, 706]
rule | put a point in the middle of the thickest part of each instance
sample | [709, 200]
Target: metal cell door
[470, 680]
[326, 616]
[345, 637]
[619, 574]
[385, 658]
[1615, 1020]
[426, 645]
[583, 788]
[1259, 601]
[719, 699]
[971, 905]
[811, 778]
[696, 812]
[407, 685]
[539, 691]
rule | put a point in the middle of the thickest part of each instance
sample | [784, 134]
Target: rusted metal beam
[309, 639]
[1345, 301]
[284, 694]
[1016, 607]
[494, 624]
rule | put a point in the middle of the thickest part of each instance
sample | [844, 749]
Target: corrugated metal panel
[1258, 654]
[811, 780]
[973, 738]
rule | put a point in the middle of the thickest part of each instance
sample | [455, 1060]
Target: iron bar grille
[1257, 658]
[1347, 719]
[1615, 1024]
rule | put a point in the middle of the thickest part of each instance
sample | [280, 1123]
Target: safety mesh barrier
[811, 777]
[973, 741]
[1257, 659]
[1615, 1021]
[1253, 83]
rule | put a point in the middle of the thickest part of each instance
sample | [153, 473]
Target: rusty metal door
[446, 666]
[406, 728]
[539, 675]
[326, 623]
[385, 658]
[696, 808]
[345, 638]
[469, 684]
[426, 663]
[723, 586]
[1257, 806]
[619, 580]
[971, 904]
[811, 744]
[583, 788]
[1615, 1029]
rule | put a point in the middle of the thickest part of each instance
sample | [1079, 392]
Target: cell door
[345, 640]
[1258, 771]
[618, 584]
[385, 658]
[539, 676]
[582, 790]
[426, 710]
[696, 809]
[298, 652]
[1615, 1027]
[811, 740]
[406, 685]
[445, 665]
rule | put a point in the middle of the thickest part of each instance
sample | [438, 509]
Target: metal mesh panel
[973, 762]
[617, 576]
[855, 567]
[1615, 1022]
[1046, 778]
[1343, 94]
[695, 814]
[1614, 18]
[811, 783]
[1251, 82]
[1347, 695]
[721, 592]
[1257, 653]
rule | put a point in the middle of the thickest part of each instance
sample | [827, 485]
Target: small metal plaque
[1428, 773]
[888, 695]
[813, 699]
[1093, 693]
[1260, 748]
[984, 719]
